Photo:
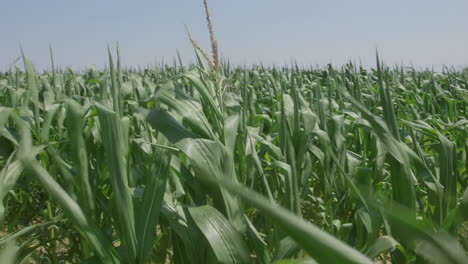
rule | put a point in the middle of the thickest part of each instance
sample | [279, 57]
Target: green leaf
[101, 244]
[115, 145]
[8, 253]
[8, 177]
[320, 245]
[207, 158]
[381, 245]
[226, 242]
[151, 206]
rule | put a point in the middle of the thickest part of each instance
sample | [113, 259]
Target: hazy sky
[313, 32]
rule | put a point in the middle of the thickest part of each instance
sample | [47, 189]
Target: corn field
[184, 164]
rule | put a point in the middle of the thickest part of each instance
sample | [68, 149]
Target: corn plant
[225, 164]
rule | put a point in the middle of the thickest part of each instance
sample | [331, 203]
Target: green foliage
[260, 165]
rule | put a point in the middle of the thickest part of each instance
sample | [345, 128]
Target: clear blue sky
[418, 32]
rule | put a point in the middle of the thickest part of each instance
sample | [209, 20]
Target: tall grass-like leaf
[151, 206]
[115, 145]
[207, 94]
[208, 159]
[189, 108]
[185, 229]
[101, 244]
[226, 243]
[287, 248]
[8, 254]
[447, 167]
[50, 110]
[119, 78]
[386, 101]
[320, 245]
[115, 89]
[14, 236]
[80, 157]
[437, 246]
[383, 244]
[402, 178]
[33, 90]
[448, 175]
[289, 122]
[9, 174]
